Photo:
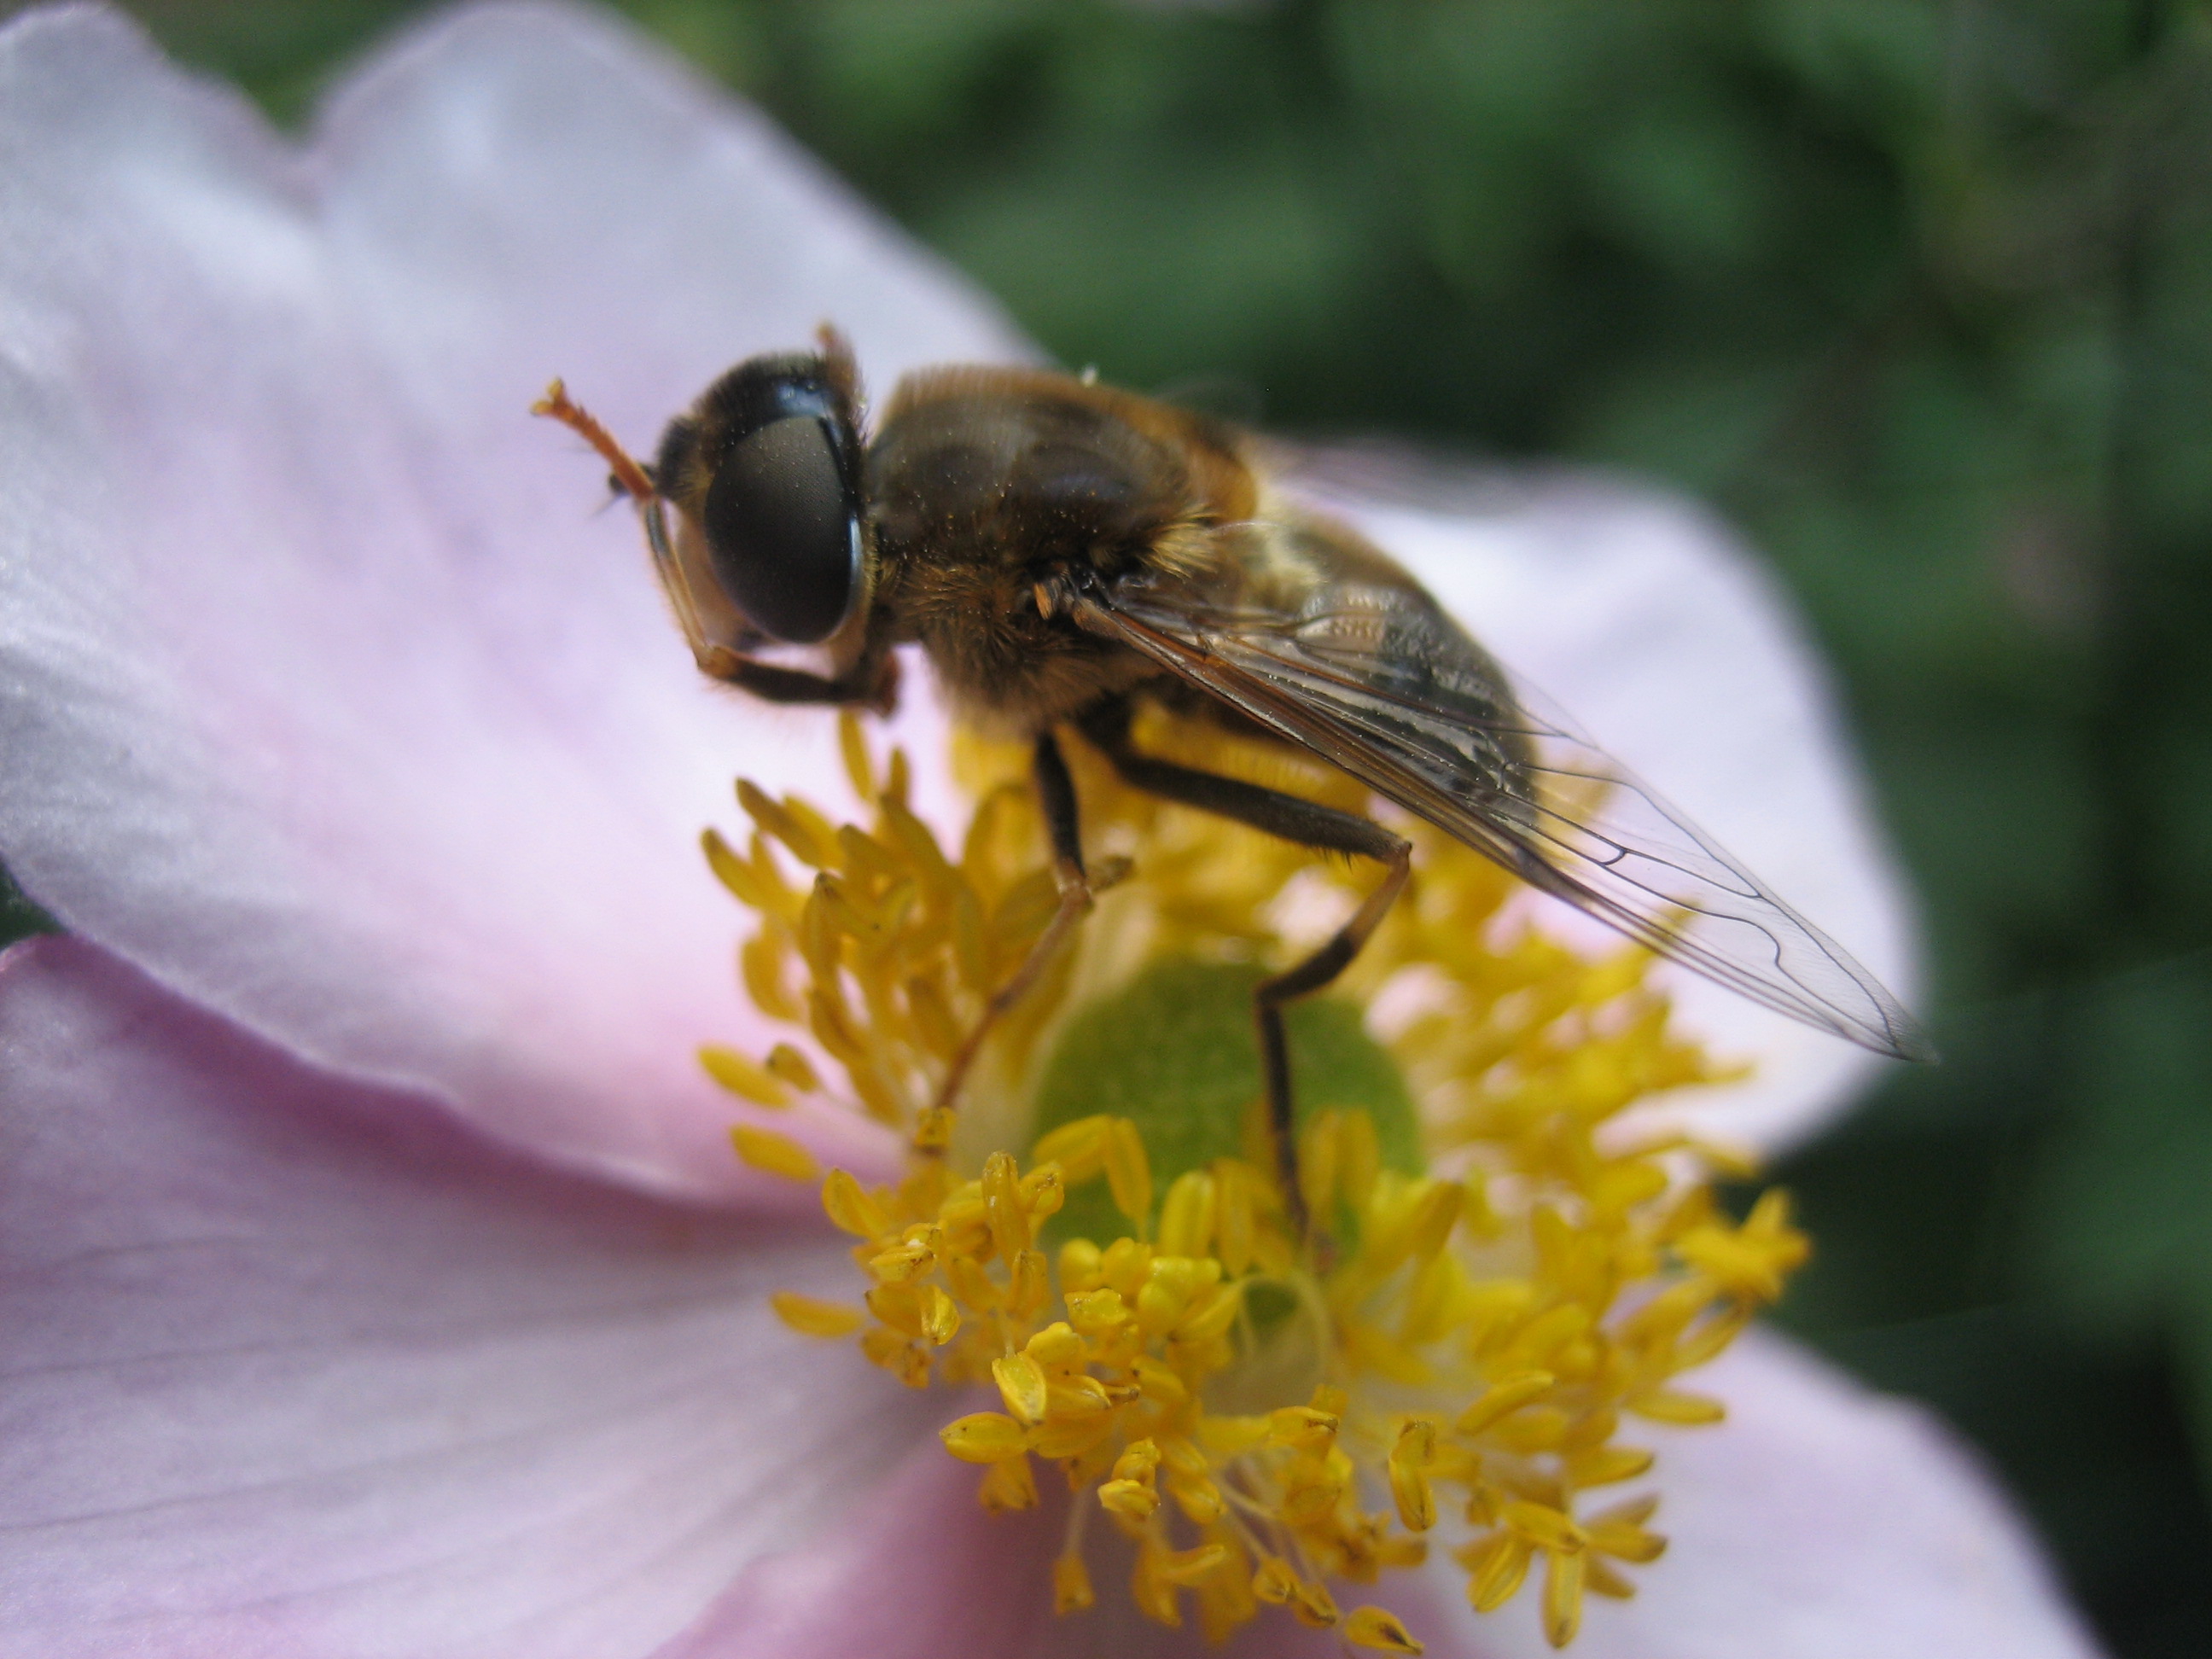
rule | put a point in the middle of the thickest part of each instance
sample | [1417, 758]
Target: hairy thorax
[985, 483]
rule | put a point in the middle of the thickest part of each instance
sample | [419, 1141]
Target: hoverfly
[1062, 550]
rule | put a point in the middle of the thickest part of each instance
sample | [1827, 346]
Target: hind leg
[1309, 824]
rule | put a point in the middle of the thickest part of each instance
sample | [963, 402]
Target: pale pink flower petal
[1821, 1521]
[921, 1573]
[293, 1367]
[330, 702]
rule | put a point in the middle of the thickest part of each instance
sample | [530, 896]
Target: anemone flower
[379, 1275]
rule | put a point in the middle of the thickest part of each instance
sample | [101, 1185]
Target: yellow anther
[933, 1129]
[1544, 1526]
[1008, 1486]
[1079, 1396]
[743, 1077]
[1021, 1385]
[984, 1437]
[1079, 1147]
[775, 1154]
[1187, 1214]
[810, 1316]
[1538, 1343]
[1314, 1606]
[1273, 1582]
[1310, 1501]
[1128, 1172]
[1057, 1344]
[1137, 1462]
[1190, 1566]
[1373, 1628]
[1209, 1316]
[1496, 1569]
[1408, 1464]
[1154, 1595]
[1232, 1436]
[852, 749]
[1097, 1311]
[1071, 1584]
[1028, 1285]
[1044, 1190]
[1302, 1427]
[849, 1205]
[754, 882]
[1127, 1264]
[1603, 1465]
[1317, 1155]
[1182, 1457]
[1676, 1405]
[1539, 1428]
[1563, 1595]
[1201, 1500]
[1625, 1543]
[1075, 1438]
[777, 819]
[971, 1283]
[1600, 1578]
[940, 1319]
[1008, 1217]
[1131, 1498]
[1506, 1395]
[1081, 1265]
[1236, 1221]
[902, 1263]
[788, 1065]
[1159, 1384]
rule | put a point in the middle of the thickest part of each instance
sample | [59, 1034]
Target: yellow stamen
[743, 1078]
[810, 1316]
[1372, 1627]
[1206, 1381]
[777, 1154]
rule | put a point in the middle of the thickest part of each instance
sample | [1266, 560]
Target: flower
[378, 1277]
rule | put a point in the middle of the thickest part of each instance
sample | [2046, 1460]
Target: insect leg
[1056, 794]
[871, 681]
[1309, 825]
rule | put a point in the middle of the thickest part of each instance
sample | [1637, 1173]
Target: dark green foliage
[1920, 292]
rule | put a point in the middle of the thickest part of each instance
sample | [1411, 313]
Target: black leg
[1309, 824]
[872, 681]
[1056, 794]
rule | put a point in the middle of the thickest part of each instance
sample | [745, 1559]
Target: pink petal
[1819, 1521]
[923, 1572]
[1648, 622]
[296, 1368]
[329, 702]
[926, 1574]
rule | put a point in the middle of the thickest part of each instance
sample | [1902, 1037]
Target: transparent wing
[1375, 679]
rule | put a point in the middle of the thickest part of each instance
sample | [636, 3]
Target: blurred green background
[1919, 293]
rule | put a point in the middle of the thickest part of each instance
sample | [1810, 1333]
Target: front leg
[1056, 795]
[870, 682]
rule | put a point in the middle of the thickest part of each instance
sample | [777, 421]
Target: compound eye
[783, 529]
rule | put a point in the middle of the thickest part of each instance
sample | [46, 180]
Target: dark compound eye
[783, 528]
